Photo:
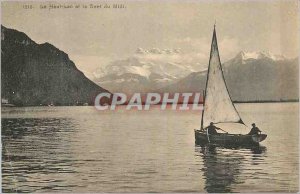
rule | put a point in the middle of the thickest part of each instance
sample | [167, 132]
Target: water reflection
[79, 149]
[223, 167]
[31, 149]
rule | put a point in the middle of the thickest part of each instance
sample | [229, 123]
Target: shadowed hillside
[40, 74]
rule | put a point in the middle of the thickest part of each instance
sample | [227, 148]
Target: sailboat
[219, 108]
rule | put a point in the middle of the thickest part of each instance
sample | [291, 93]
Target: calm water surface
[80, 149]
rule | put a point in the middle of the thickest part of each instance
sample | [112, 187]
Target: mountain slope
[40, 74]
[250, 77]
[139, 75]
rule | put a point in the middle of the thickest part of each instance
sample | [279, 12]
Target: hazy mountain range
[250, 76]
[40, 74]
[134, 75]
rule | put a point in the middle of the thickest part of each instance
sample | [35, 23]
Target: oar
[223, 130]
[207, 135]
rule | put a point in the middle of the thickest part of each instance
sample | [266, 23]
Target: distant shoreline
[267, 101]
[235, 102]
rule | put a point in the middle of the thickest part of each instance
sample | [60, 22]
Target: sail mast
[202, 109]
[204, 93]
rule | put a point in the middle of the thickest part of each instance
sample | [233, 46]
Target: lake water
[80, 149]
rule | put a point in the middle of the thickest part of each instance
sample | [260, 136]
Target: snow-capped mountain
[244, 57]
[137, 74]
[250, 77]
[260, 55]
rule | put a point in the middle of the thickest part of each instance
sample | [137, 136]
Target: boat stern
[259, 138]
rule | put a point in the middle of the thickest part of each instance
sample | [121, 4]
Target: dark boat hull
[201, 138]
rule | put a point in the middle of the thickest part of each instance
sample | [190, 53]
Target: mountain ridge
[135, 75]
[250, 76]
[41, 74]
[261, 79]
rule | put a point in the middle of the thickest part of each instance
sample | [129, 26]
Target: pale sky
[93, 37]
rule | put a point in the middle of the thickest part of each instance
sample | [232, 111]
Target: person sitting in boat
[212, 129]
[255, 130]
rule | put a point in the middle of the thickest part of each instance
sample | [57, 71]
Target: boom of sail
[218, 106]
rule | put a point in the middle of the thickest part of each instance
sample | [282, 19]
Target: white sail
[218, 107]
